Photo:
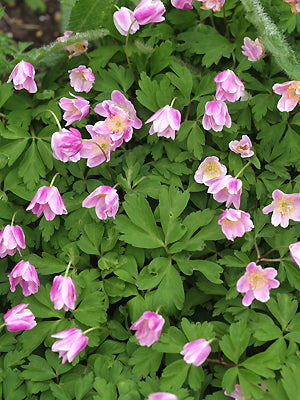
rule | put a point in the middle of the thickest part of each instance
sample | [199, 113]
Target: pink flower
[256, 283]
[295, 4]
[25, 274]
[118, 125]
[215, 5]
[209, 168]
[48, 200]
[254, 50]
[284, 207]
[66, 145]
[11, 239]
[165, 122]
[105, 199]
[71, 342]
[123, 19]
[238, 394]
[290, 92]
[76, 109]
[183, 4]
[196, 352]
[19, 318]
[23, 77]
[148, 328]
[82, 78]
[226, 188]
[235, 223]
[148, 11]
[162, 396]
[63, 293]
[229, 86]
[295, 252]
[75, 49]
[109, 108]
[242, 147]
[216, 116]
[98, 149]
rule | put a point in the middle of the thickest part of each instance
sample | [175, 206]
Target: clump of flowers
[253, 50]
[229, 86]
[148, 328]
[284, 207]
[256, 283]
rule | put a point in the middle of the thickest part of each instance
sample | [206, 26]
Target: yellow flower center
[211, 170]
[284, 205]
[80, 75]
[293, 91]
[103, 142]
[74, 109]
[245, 147]
[229, 223]
[257, 280]
[116, 124]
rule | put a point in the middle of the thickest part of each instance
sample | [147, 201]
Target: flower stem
[13, 217]
[126, 51]
[244, 167]
[2, 326]
[103, 152]
[94, 328]
[221, 362]
[271, 251]
[69, 265]
[55, 117]
[171, 105]
[53, 179]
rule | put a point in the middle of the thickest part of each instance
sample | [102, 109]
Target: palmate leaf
[89, 14]
[139, 228]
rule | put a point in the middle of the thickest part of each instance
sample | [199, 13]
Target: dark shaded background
[23, 24]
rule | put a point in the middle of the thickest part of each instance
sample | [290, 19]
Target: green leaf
[267, 329]
[6, 90]
[174, 375]
[170, 293]
[47, 264]
[83, 385]
[284, 309]
[37, 370]
[145, 361]
[229, 379]
[234, 344]
[147, 95]
[195, 377]
[171, 342]
[89, 14]
[182, 79]
[160, 58]
[171, 205]
[263, 364]
[91, 310]
[196, 141]
[31, 167]
[140, 229]
[13, 150]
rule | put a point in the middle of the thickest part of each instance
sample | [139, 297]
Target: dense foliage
[165, 249]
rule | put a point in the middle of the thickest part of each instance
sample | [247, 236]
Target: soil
[25, 25]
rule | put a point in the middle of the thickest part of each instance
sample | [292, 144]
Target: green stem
[272, 38]
[94, 328]
[53, 179]
[171, 105]
[13, 217]
[227, 34]
[221, 362]
[2, 326]
[68, 266]
[271, 251]
[126, 51]
[55, 117]
[270, 259]
[103, 152]
[244, 167]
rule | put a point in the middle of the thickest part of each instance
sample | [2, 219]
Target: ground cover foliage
[165, 249]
